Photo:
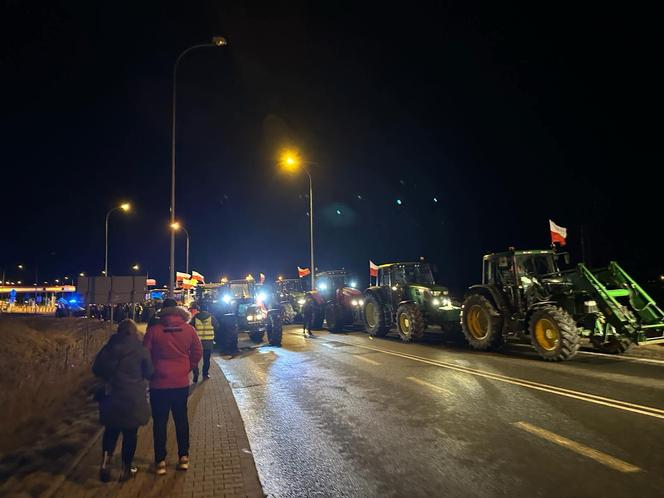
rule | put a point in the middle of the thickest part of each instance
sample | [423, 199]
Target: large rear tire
[274, 329]
[410, 322]
[229, 333]
[481, 323]
[287, 313]
[334, 318]
[374, 317]
[553, 333]
[257, 336]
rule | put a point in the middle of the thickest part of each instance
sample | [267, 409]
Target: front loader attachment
[625, 306]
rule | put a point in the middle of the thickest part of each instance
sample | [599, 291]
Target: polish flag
[197, 276]
[261, 278]
[558, 234]
[181, 276]
[303, 272]
[189, 283]
[373, 269]
[151, 281]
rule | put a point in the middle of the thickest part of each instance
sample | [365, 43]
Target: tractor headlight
[261, 297]
[446, 301]
[301, 301]
[435, 301]
[591, 306]
[361, 302]
[227, 298]
[354, 302]
[250, 318]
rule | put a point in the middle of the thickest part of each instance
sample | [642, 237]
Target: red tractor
[342, 301]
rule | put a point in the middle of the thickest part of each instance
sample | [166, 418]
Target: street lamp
[125, 206]
[291, 162]
[217, 41]
[136, 267]
[177, 226]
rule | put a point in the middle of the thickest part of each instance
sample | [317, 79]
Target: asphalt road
[346, 415]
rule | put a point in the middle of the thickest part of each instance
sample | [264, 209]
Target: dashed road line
[429, 385]
[367, 360]
[581, 449]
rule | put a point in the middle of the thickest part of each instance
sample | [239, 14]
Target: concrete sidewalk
[221, 461]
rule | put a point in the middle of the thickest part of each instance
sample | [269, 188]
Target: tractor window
[488, 272]
[240, 290]
[414, 274]
[537, 264]
[385, 278]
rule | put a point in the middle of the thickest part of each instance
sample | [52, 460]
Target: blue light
[399, 202]
[353, 283]
[261, 297]
[227, 298]
[73, 301]
[339, 212]
[322, 286]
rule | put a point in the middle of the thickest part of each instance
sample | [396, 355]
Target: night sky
[507, 114]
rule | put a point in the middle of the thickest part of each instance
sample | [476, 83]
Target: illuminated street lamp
[82, 274]
[217, 41]
[291, 162]
[136, 267]
[125, 206]
[177, 226]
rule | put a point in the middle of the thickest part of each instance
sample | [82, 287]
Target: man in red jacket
[175, 350]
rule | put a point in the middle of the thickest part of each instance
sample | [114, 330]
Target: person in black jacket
[125, 365]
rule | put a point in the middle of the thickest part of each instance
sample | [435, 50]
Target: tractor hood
[435, 290]
[351, 292]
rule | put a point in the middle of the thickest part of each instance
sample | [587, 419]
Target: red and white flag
[303, 272]
[197, 276]
[558, 234]
[189, 283]
[373, 269]
[261, 278]
[181, 276]
[151, 281]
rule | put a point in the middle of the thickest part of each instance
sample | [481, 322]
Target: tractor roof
[405, 263]
[331, 273]
[514, 252]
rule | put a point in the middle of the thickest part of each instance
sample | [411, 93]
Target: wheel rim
[370, 314]
[404, 323]
[477, 321]
[547, 334]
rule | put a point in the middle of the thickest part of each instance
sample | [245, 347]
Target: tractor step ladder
[638, 316]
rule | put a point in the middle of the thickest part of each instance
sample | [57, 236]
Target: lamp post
[217, 41]
[124, 207]
[291, 162]
[177, 226]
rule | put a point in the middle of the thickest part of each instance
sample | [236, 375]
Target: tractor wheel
[274, 329]
[334, 318]
[410, 322]
[318, 317]
[553, 333]
[256, 336]
[481, 323]
[374, 317]
[287, 313]
[616, 345]
[229, 333]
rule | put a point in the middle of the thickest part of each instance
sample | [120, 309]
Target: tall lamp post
[291, 162]
[217, 41]
[124, 207]
[177, 226]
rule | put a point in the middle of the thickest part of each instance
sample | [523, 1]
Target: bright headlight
[301, 301]
[354, 302]
[261, 296]
[435, 301]
[227, 298]
[447, 301]
[353, 283]
[361, 301]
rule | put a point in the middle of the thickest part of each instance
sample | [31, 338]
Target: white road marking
[560, 391]
[581, 449]
[634, 359]
[429, 385]
[367, 360]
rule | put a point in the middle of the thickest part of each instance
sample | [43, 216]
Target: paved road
[346, 415]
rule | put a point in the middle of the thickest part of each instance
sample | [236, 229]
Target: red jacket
[174, 347]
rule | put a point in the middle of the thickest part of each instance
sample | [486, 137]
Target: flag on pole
[373, 269]
[197, 276]
[189, 283]
[303, 272]
[261, 278]
[181, 276]
[558, 234]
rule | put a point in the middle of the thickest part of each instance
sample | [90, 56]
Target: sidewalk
[221, 461]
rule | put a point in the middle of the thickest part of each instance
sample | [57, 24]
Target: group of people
[172, 347]
[139, 312]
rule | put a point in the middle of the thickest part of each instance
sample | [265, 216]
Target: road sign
[112, 290]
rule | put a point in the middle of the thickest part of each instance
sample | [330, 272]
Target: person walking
[125, 365]
[175, 350]
[206, 325]
[307, 316]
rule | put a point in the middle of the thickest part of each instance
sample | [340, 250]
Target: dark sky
[508, 114]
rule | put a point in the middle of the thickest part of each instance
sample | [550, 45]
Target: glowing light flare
[125, 206]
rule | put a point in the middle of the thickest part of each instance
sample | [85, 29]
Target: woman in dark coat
[125, 365]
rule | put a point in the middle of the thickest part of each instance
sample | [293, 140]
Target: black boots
[105, 468]
[128, 472]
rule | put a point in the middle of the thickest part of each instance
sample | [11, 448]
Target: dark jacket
[174, 347]
[125, 365]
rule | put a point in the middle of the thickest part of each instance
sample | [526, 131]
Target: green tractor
[525, 295]
[406, 296]
[291, 297]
